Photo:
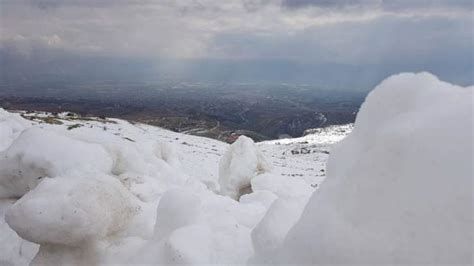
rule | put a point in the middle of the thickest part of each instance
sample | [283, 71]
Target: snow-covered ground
[84, 191]
[59, 167]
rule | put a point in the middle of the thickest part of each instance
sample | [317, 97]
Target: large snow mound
[399, 188]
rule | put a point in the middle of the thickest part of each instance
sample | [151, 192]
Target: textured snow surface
[94, 191]
[399, 188]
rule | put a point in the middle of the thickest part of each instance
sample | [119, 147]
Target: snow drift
[399, 187]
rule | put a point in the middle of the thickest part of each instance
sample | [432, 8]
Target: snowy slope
[45, 156]
[91, 191]
[296, 157]
[304, 157]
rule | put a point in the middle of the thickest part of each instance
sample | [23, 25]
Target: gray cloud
[427, 4]
[328, 3]
[386, 39]
[352, 32]
[383, 4]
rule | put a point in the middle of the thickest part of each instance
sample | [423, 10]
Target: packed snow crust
[102, 192]
[399, 188]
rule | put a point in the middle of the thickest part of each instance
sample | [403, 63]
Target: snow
[25, 162]
[109, 192]
[11, 125]
[399, 187]
[112, 192]
[325, 135]
[177, 208]
[58, 212]
[15, 250]
[240, 163]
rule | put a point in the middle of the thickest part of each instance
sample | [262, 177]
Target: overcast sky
[352, 32]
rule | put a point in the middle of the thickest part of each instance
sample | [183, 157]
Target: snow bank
[71, 211]
[78, 189]
[70, 218]
[167, 153]
[193, 228]
[177, 208]
[11, 125]
[14, 250]
[91, 196]
[241, 162]
[399, 187]
[291, 197]
[37, 153]
[273, 228]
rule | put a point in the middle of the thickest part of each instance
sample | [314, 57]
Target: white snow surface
[239, 165]
[82, 191]
[399, 188]
[112, 192]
